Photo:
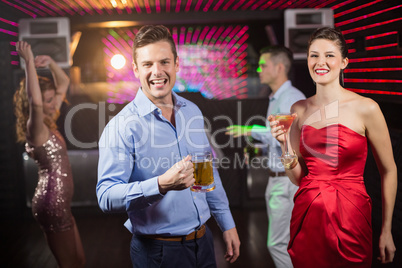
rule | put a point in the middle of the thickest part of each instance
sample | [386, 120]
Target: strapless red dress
[331, 218]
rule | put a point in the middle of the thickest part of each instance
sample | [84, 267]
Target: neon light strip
[285, 5]
[108, 10]
[85, 7]
[326, 3]
[209, 35]
[182, 35]
[305, 4]
[137, 7]
[168, 5]
[337, 15]
[228, 4]
[55, 9]
[202, 36]
[91, 3]
[14, 62]
[370, 26]
[380, 35]
[249, 3]
[296, 4]
[277, 4]
[62, 7]
[349, 41]
[188, 6]
[197, 6]
[178, 4]
[382, 46]
[217, 6]
[31, 8]
[351, 50]
[20, 8]
[339, 24]
[158, 6]
[358, 80]
[188, 37]
[364, 70]
[342, 4]
[147, 7]
[256, 5]
[235, 7]
[207, 6]
[266, 5]
[8, 32]
[14, 53]
[375, 59]
[372, 91]
[9, 22]
[48, 11]
[195, 35]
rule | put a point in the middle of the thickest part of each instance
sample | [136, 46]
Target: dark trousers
[150, 253]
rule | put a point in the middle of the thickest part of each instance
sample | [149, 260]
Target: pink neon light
[382, 46]
[349, 41]
[66, 9]
[326, 3]
[57, 10]
[182, 34]
[337, 15]
[105, 7]
[188, 6]
[174, 35]
[31, 8]
[256, 5]
[339, 24]
[92, 4]
[217, 34]
[197, 6]
[209, 35]
[228, 4]
[364, 70]
[178, 4]
[269, 3]
[147, 7]
[188, 37]
[195, 35]
[305, 4]
[351, 50]
[370, 91]
[22, 9]
[249, 3]
[9, 22]
[285, 5]
[14, 62]
[235, 7]
[370, 26]
[358, 80]
[342, 4]
[216, 7]
[158, 6]
[168, 5]
[380, 35]
[203, 33]
[277, 4]
[85, 7]
[14, 53]
[8, 32]
[13, 43]
[48, 11]
[207, 6]
[375, 59]
[137, 7]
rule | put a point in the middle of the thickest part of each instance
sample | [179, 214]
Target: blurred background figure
[37, 103]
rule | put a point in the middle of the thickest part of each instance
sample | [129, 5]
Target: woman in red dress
[331, 219]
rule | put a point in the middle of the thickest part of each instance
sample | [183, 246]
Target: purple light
[8, 32]
[178, 4]
[197, 6]
[158, 6]
[188, 6]
[9, 22]
[20, 8]
[216, 7]
[48, 11]
[207, 6]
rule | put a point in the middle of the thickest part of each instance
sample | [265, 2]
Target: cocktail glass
[286, 120]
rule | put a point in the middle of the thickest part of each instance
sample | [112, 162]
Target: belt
[277, 174]
[194, 235]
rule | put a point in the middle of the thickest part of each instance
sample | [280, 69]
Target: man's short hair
[280, 54]
[150, 34]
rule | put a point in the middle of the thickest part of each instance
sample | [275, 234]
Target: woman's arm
[37, 133]
[378, 136]
[61, 80]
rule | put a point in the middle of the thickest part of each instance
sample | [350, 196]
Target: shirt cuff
[150, 187]
[225, 221]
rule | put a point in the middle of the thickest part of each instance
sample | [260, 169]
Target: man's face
[267, 69]
[156, 69]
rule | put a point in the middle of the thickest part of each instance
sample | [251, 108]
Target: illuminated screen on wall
[212, 62]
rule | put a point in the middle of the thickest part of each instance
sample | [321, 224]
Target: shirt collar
[146, 106]
[281, 89]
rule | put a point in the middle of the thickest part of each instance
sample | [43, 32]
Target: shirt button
[195, 197]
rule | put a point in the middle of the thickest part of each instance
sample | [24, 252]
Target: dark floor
[106, 241]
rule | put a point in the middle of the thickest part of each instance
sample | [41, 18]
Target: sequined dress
[53, 194]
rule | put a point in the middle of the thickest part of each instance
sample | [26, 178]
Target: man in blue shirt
[274, 66]
[145, 166]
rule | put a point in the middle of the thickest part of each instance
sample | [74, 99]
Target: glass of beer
[203, 172]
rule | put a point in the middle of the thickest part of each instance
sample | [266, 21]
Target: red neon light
[380, 35]
[356, 8]
[249, 3]
[206, 7]
[370, 26]
[168, 5]
[256, 5]
[238, 4]
[198, 5]
[266, 5]
[216, 7]
[375, 58]
[349, 41]
[351, 50]
[338, 5]
[339, 24]
[372, 91]
[358, 80]
[382, 46]
[228, 4]
[366, 70]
